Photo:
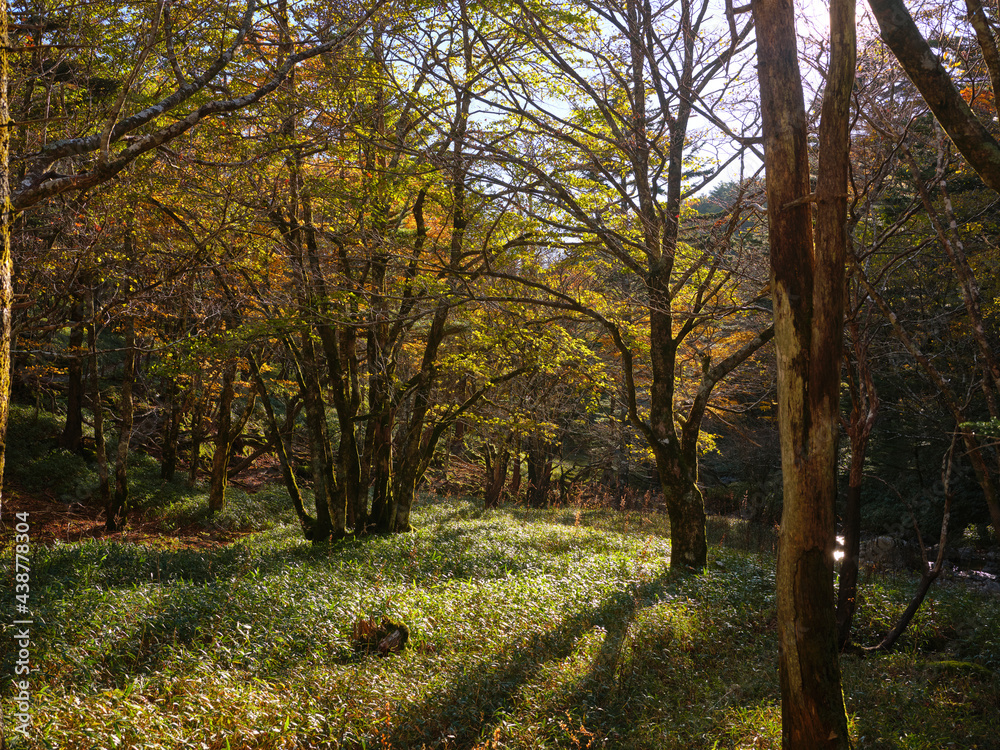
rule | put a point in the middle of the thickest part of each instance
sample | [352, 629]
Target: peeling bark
[807, 283]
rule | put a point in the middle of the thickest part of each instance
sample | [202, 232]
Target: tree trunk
[383, 513]
[416, 445]
[381, 375]
[497, 461]
[282, 450]
[118, 507]
[686, 510]
[72, 435]
[539, 473]
[171, 433]
[515, 474]
[807, 285]
[864, 410]
[100, 449]
[6, 259]
[319, 441]
[223, 441]
[197, 430]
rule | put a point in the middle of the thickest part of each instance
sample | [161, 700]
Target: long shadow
[476, 700]
[194, 601]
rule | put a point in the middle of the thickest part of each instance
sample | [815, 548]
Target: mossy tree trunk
[280, 440]
[320, 459]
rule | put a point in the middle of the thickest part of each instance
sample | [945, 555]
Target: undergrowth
[528, 629]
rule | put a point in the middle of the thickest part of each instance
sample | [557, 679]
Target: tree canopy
[521, 250]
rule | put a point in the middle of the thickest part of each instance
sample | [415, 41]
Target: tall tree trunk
[170, 433]
[282, 449]
[72, 434]
[807, 285]
[223, 441]
[415, 443]
[345, 490]
[100, 449]
[497, 460]
[381, 375]
[864, 410]
[383, 512]
[319, 441]
[6, 259]
[118, 507]
[197, 429]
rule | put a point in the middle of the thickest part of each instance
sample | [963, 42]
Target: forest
[500, 374]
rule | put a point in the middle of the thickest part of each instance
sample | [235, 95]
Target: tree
[6, 262]
[929, 75]
[103, 150]
[807, 283]
[597, 156]
[934, 196]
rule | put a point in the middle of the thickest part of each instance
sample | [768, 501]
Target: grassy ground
[529, 629]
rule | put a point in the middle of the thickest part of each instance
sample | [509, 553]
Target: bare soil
[52, 520]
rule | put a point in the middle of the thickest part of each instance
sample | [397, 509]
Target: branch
[40, 185]
[901, 34]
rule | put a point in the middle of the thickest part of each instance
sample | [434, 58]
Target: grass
[529, 629]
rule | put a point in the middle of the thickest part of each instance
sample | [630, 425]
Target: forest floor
[559, 628]
[56, 520]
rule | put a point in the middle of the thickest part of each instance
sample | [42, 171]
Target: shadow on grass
[477, 699]
[196, 598]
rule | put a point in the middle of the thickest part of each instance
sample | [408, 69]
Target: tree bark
[100, 449]
[72, 434]
[6, 259]
[515, 474]
[282, 450]
[539, 461]
[924, 68]
[807, 285]
[119, 501]
[197, 430]
[497, 460]
[864, 410]
[223, 441]
[319, 441]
